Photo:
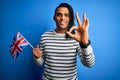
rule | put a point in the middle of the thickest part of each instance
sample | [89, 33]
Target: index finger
[78, 19]
[84, 17]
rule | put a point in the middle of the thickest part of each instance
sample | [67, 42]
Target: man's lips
[62, 22]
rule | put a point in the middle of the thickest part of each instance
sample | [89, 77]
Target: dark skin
[62, 20]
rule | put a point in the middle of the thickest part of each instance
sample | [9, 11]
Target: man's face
[62, 17]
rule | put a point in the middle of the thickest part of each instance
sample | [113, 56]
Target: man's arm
[38, 59]
[82, 36]
[87, 56]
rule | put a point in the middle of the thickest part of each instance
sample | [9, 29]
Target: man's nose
[62, 17]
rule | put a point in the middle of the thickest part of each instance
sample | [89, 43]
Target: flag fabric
[17, 45]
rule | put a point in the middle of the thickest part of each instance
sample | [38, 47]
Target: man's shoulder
[48, 33]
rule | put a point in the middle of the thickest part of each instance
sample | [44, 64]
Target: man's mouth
[62, 22]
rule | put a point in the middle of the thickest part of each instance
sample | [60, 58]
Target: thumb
[37, 46]
[70, 34]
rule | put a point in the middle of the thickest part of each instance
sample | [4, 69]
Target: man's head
[64, 16]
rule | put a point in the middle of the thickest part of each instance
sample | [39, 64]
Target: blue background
[34, 17]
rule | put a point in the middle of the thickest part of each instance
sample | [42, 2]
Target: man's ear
[54, 18]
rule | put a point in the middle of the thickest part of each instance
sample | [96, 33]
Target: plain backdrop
[34, 17]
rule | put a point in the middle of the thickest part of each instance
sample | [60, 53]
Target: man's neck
[61, 31]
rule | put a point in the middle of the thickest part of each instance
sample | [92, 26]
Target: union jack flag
[18, 44]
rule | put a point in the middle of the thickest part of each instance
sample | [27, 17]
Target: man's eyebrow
[61, 13]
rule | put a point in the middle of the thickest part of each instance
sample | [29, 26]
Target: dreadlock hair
[71, 21]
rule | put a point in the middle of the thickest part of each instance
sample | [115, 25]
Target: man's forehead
[62, 10]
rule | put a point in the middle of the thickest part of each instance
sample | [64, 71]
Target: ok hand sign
[82, 30]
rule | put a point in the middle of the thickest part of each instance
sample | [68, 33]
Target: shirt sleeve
[86, 56]
[39, 61]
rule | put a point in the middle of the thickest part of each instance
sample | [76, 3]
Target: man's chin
[63, 27]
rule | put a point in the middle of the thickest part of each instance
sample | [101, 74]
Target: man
[59, 48]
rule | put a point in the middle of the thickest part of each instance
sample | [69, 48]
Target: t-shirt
[59, 56]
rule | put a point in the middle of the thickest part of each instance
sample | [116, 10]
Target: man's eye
[67, 15]
[58, 15]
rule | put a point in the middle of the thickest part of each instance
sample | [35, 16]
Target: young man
[59, 48]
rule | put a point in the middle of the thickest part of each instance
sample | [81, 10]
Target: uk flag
[18, 44]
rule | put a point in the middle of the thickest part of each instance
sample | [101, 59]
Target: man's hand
[82, 30]
[37, 52]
